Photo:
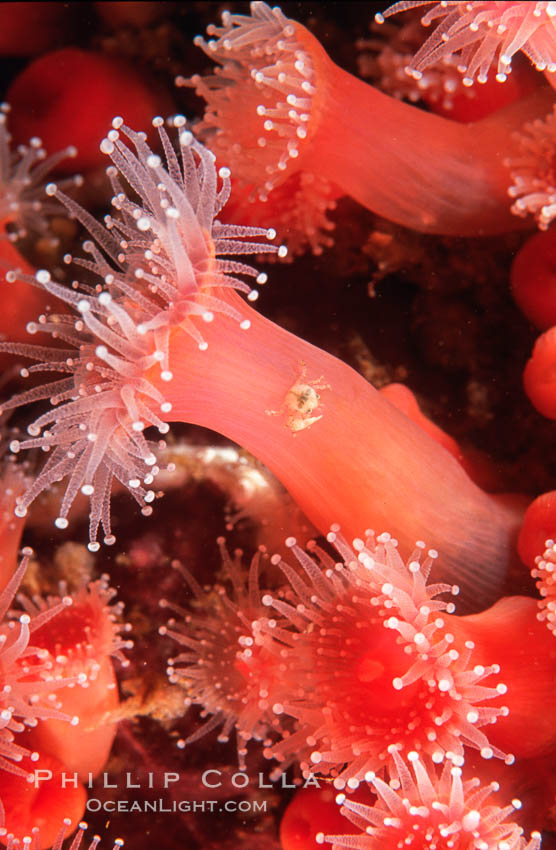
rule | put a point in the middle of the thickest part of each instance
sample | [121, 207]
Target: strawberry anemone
[213, 632]
[482, 34]
[430, 809]
[387, 58]
[276, 107]
[37, 807]
[545, 574]
[298, 208]
[362, 658]
[23, 209]
[94, 433]
[531, 166]
[28, 679]
[510, 632]
[84, 639]
[47, 95]
[135, 356]
[365, 660]
[312, 809]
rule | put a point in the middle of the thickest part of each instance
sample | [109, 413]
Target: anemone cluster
[385, 640]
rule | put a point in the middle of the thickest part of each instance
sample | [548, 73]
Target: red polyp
[48, 96]
[230, 687]
[533, 279]
[351, 660]
[43, 803]
[539, 525]
[531, 165]
[172, 340]
[83, 748]
[27, 685]
[289, 99]
[81, 644]
[83, 631]
[539, 376]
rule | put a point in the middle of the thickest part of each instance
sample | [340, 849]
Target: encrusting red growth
[40, 805]
[478, 33]
[539, 375]
[48, 94]
[539, 525]
[134, 354]
[432, 810]
[82, 640]
[533, 279]
[276, 106]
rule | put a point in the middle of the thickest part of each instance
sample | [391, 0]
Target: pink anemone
[430, 809]
[276, 107]
[482, 34]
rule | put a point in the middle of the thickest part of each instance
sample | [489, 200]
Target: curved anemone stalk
[276, 106]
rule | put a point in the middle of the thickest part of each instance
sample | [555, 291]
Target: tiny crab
[300, 401]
